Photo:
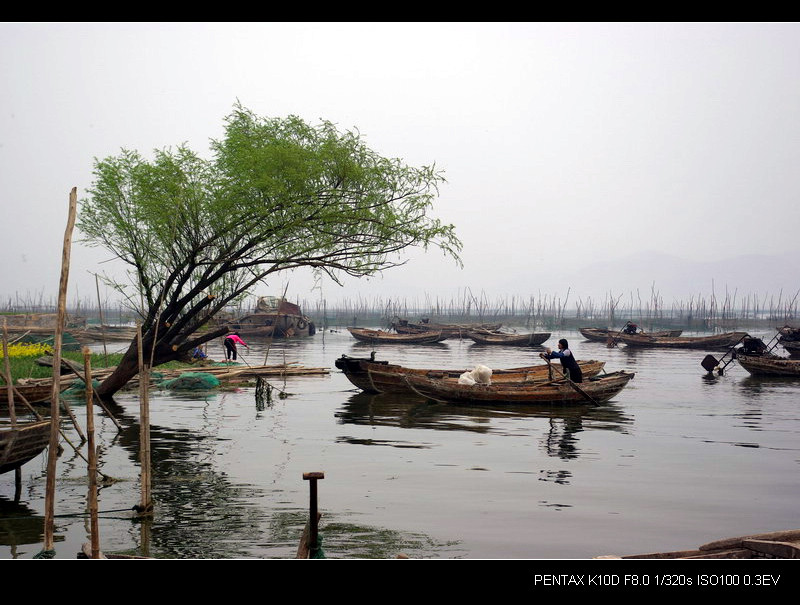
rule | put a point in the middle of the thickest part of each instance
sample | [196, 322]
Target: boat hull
[379, 336]
[510, 340]
[602, 334]
[562, 392]
[374, 376]
[766, 365]
[21, 443]
[716, 341]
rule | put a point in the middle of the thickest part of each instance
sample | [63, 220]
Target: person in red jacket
[230, 342]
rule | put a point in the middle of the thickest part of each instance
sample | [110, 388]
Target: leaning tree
[197, 234]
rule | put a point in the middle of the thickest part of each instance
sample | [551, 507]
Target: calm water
[677, 459]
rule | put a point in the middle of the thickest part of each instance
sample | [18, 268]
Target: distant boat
[273, 318]
[402, 326]
[379, 336]
[789, 339]
[716, 341]
[512, 340]
[389, 377]
[602, 334]
[556, 392]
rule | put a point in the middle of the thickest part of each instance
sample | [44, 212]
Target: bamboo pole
[94, 525]
[9, 385]
[49, 518]
[145, 505]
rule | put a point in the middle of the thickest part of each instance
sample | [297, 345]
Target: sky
[564, 145]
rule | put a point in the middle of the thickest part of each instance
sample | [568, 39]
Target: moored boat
[21, 442]
[33, 393]
[542, 392]
[715, 341]
[389, 377]
[602, 334]
[273, 318]
[768, 365]
[380, 336]
[512, 340]
[402, 326]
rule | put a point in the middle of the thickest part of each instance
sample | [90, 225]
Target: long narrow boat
[449, 330]
[602, 334]
[768, 365]
[358, 371]
[379, 336]
[512, 340]
[22, 442]
[726, 340]
[558, 392]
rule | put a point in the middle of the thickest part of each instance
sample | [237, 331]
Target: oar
[571, 383]
[710, 362]
[612, 340]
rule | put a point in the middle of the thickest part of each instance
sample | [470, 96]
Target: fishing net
[78, 389]
[192, 381]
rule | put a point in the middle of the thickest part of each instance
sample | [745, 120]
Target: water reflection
[564, 423]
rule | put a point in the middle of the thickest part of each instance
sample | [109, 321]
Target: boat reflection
[564, 423]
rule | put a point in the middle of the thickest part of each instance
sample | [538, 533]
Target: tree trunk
[164, 352]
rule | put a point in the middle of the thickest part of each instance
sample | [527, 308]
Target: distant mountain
[674, 278]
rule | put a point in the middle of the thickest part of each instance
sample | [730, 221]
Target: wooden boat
[273, 318]
[22, 442]
[390, 377]
[379, 336]
[402, 326]
[545, 392]
[768, 365]
[716, 341]
[602, 334]
[512, 340]
[33, 393]
[773, 545]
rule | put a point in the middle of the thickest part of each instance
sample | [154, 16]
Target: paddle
[612, 340]
[569, 381]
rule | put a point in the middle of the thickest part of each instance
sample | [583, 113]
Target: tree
[277, 194]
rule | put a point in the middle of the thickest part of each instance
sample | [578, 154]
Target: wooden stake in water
[50, 491]
[146, 504]
[94, 525]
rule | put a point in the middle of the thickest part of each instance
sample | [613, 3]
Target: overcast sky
[563, 144]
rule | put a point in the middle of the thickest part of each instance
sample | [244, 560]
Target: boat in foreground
[21, 442]
[512, 340]
[379, 336]
[768, 365]
[382, 377]
[595, 390]
[715, 341]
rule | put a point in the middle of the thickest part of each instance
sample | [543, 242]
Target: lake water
[677, 459]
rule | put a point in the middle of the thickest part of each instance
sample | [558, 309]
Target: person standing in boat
[571, 367]
[230, 342]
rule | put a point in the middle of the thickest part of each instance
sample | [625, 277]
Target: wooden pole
[49, 512]
[145, 504]
[313, 513]
[94, 525]
[9, 384]
[102, 323]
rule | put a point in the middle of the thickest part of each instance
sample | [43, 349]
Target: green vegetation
[278, 194]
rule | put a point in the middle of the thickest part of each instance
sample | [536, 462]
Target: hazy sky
[563, 144]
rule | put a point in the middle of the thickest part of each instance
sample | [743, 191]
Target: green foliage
[277, 194]
[26, 367]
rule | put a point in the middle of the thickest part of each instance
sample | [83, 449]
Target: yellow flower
[26, 349]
